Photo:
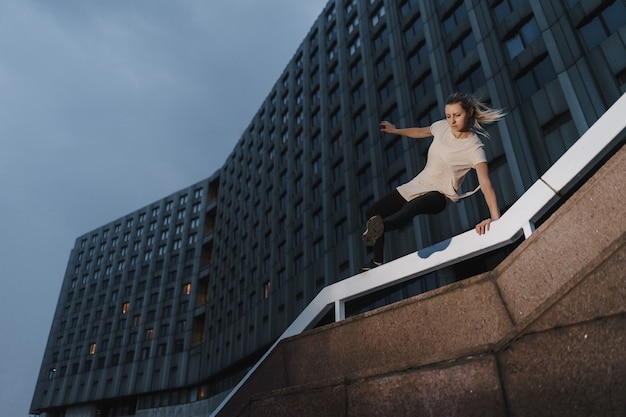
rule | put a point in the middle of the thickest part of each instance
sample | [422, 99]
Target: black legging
[397, 212]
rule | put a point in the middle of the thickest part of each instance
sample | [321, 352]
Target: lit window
[187, 288]
[125, 308]
[92, 349]
[266, 289]
[149, 334]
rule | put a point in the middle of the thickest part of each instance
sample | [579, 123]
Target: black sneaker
[370, 265]
[374, 230]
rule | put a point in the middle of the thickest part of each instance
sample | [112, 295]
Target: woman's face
[456, 117]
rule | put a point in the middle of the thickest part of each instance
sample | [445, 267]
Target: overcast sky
[106, 107]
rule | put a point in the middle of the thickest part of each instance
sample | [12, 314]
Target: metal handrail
[518, 220]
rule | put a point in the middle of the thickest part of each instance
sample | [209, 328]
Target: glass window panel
[592, 33]
[530, 31]
[449, 24]
[526, 86]
[615, 16]
[456, 54]
[544, 71]
[514, 46]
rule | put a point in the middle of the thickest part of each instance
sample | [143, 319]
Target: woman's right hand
[387, 127]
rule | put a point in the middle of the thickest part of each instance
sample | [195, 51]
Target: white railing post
[340, 310]
[529, 229]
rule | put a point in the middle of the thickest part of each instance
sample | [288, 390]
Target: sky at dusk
[106, 107]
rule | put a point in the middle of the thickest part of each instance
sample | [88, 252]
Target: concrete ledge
[466, 321]
[545, 266]
[572, 371]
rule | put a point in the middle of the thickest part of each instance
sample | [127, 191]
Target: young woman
[456, 148]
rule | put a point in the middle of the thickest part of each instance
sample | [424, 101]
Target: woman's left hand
[483, 227]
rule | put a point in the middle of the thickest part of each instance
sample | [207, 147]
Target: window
[453, 20]
[361, 146]
[358, 120]
[266, 289]
[421, 87]
[387, 90]
[92, 349]
[332, 52]
[398, 179]
[125, 307]
[505, 8]
[350, 5]
[380, 38]
[462, 48]
[472, 80]
[383, 63]
[378, 15]
[353, 24]
[339, 199]
[607, 22]
[179, 345]
[338, 171]
[522, 39]
[364, 177]
[393, 151]
[536, 77]
[357, 92]
[335, 118]
[413, 29]
[318, 248]
[341, 229]
[355, 46]
[407, 6]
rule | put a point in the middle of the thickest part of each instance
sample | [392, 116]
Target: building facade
[172, 303]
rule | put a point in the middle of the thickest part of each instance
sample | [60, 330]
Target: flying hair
[479, 113]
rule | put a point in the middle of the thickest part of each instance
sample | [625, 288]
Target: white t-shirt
[449, 159]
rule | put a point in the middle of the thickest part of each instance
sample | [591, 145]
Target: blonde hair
[479, 113]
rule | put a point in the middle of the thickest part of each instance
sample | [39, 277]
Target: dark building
[171, 304]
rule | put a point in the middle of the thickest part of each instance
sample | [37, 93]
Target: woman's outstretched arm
[411, 132]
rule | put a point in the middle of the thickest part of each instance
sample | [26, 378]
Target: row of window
[141, 219]
[114, 359]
